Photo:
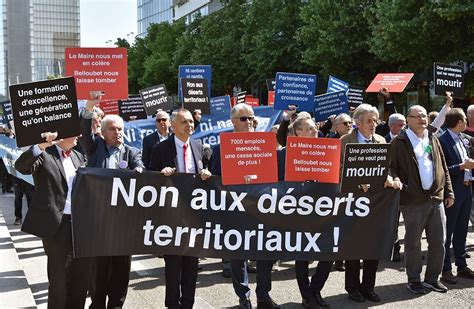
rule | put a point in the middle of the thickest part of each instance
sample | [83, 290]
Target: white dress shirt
[423, 156]
[180, 157]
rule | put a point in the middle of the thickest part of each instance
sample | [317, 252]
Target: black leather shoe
[320, 300]
[267, 304]
[370, 295]
[339, 266]
[309, 303]
[448, 277]
[244, 303]
[466, 272]
[356, 296]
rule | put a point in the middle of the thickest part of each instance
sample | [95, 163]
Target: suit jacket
[388, 138]
[149, 142]
[453, 160]
[46, 210]
[164, 155]
[404, 165]
[97, 152]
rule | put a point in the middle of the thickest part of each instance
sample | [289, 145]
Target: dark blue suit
[457, 216]
[180, 271]
[112, 272]
[149, 142]
[323, 269]
[240, 278]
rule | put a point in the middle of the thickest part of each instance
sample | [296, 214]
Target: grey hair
[175, 113]
[340, 116]
[162, 112]
[238, 107]
[394, 118]
[104, 124]
[362, 109]
[303, 115]
[470, 110]
[298, 124]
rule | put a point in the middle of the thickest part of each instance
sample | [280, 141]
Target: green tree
[335, 36]
[414, 34]
[268, 41]
[218, 43]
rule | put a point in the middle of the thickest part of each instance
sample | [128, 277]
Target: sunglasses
[244, 118]
[346, 123]
[161, 120]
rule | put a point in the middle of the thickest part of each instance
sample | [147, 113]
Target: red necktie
[185, 157]
[66, 154]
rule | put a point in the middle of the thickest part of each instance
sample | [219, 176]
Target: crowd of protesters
[430, 165]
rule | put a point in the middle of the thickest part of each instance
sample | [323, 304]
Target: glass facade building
[153, 12]
[158, 11]
[34, 36]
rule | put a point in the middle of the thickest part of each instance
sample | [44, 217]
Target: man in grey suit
[109, 151]
[53, 165]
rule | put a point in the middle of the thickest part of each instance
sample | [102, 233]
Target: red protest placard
[271, 98]
[249, 100]
[98, 69]
[312, 159]
[109, 107]
[394, 82]
[248, 154]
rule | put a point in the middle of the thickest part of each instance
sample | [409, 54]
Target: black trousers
[67, 276]
[318, 280]
[353, 282]
[112, 274]
[180, 278]
[21, 188]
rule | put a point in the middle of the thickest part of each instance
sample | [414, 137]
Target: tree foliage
[247, 42]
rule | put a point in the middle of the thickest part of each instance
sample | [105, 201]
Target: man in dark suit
[180, 154]
[108, 151]
[53, 165]
[365, 117]
[342, 124]
[162, 122]
[310, 291]
[396, 122]
[242, 117]
[456, 152]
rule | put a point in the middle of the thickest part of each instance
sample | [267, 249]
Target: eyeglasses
[245, 118]
[346, 123]
[418, 116]
[161, 120]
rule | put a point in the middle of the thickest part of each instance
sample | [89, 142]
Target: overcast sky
[103, 20]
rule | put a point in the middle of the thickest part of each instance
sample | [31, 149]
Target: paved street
[23, 279]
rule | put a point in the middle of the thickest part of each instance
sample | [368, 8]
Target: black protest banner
[196, 94]
[7, 113]
[155, 98]
[448, 78]
[240, 97]
[46, 106]
[131, 109]
[122, 213]
[355, 96]
[365, 164]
